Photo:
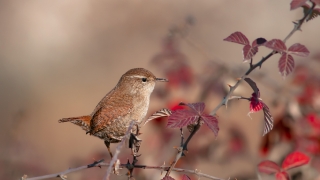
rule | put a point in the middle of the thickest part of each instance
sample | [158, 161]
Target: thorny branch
[297, 26]
[184, 147]
[100, 164]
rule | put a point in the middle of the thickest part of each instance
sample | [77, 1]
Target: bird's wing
[110, 111]
[102, 102]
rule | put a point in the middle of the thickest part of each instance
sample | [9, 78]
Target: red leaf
[258, 42]
[299, 50]
[167, 178]
[185, 177]
[268, 167]
[268, 119]
[181, 118]
[212, 123]
[237, 37]
[276, 44]
[296, 3]
[196, 107]
[282, 176]
[295, 159]
[249, 52]
[255, 103]
[286, 64]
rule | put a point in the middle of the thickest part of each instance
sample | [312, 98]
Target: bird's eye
[144, 79]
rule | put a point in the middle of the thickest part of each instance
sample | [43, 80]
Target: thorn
[229, 86]
[238, 79]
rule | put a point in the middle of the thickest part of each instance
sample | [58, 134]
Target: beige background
[59, 58]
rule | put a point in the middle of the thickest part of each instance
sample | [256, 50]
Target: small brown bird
[127, 101]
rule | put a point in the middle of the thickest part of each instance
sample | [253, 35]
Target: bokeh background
[59, 58]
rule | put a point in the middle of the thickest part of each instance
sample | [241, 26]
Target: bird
[127, 101]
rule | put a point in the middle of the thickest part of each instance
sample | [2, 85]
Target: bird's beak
[162, 79]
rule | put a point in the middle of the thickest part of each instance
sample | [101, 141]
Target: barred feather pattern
[82, 121]
[161, 113]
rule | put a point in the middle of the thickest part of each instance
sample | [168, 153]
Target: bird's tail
[82, 121]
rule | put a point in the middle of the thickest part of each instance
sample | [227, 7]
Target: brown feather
[82, 121]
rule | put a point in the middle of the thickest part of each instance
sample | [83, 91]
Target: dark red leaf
[296, 3]
[237, 37]
[167, 178]
[276, 44]
[181, 118]
[286, 64]
[196, 107]
[295, 159]
[299, 50]
[212, 123]
[185, 177]
[258, 42]
[268, 167]
[255, 104]
[282, 176]
[249, 52]
[254, 86]
[268, 119]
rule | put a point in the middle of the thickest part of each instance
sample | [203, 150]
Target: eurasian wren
[127, 101]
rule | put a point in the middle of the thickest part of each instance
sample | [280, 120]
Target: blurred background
[59, 58]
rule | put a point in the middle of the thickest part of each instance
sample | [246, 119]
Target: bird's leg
[107, 143]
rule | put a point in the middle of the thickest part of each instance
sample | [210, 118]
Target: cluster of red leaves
[181, 117]
[184, 117]
[286, 61]
[293, 160]
[256, 104]
[248, 50]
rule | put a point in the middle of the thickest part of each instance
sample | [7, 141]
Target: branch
[183, 148]
[232, 88]
[63, 173]
[297, 26]
[100, 163]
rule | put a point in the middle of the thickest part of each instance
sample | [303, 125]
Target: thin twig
[95, 164]
[182, 138]
[239, 97]
[183, 148]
